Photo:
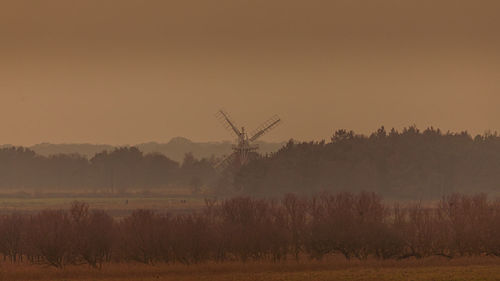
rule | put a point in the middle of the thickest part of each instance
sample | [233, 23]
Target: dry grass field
[117, 205]
[483, 268]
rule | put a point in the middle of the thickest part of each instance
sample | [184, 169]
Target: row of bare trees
[353, 225]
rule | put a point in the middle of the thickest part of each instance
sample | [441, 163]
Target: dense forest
[397, 164]
[407, 164]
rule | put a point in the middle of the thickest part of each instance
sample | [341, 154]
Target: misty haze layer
[410, 164]
[135, 71]
[175, 149]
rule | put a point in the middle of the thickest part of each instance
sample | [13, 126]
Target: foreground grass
[333, 269]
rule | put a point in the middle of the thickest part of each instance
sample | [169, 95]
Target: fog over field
[359, 140]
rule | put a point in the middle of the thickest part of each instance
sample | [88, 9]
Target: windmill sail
[267, 126]
[226, 162]
[226, 121]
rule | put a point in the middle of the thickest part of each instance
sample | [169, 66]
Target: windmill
[245, 146]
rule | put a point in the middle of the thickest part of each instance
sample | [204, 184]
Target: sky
[127, 72]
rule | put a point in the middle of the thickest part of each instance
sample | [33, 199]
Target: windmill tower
[245, 145]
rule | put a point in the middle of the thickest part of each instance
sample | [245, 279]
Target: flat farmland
[425, 269]
[117, 205]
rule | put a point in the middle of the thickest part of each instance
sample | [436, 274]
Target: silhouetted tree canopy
[396, 164]
[411, 163]
[121, 168]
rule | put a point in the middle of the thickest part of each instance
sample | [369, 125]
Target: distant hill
[175, 149]
[85, 149]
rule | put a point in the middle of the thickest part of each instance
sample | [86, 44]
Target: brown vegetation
[356, 226]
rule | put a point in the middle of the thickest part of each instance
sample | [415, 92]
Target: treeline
[356, 226]
[121, 168]
[396, 164]
[407, 164]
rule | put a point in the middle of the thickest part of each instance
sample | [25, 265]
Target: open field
[483, 268]
[116, 204]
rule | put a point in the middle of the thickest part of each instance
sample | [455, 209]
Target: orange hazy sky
[125, 72]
